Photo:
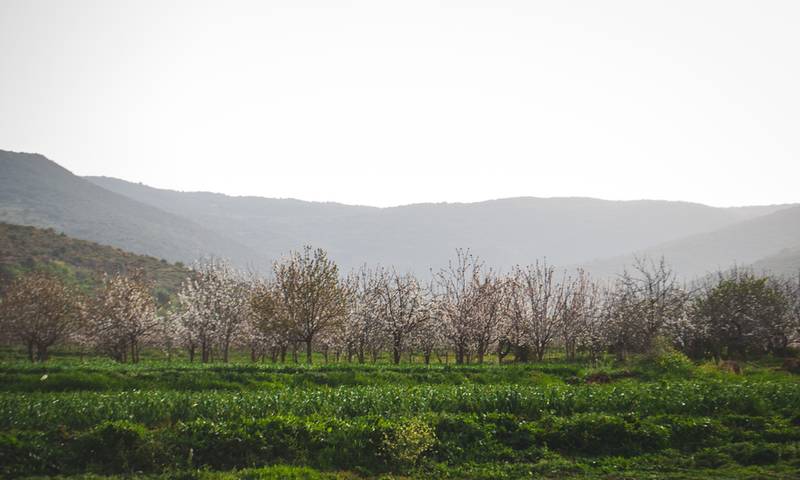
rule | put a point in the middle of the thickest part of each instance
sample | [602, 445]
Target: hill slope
[759, 241]
[417, 237]
[786, 262]
[25, 248]
[251, 231]
[36, 191]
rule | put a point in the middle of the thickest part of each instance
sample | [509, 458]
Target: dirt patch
[791, 365]
[731, 366]
[598, 377]
[603, 377]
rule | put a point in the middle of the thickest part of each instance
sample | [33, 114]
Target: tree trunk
[41, 352]
[621, 354]
[460, 355]
[521, 354]
[205, 353]
[308, 351]
[396, 351]
[134, 356]
[540, 354]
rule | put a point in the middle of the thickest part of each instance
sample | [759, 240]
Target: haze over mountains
[251, 231]
[768, 242]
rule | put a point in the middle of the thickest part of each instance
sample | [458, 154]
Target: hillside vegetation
[23, 249]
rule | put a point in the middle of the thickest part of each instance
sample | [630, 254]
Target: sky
[394, 102]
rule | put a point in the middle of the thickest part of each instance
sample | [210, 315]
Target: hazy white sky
[386, 103]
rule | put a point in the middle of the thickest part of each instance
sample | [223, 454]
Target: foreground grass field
[157, 419]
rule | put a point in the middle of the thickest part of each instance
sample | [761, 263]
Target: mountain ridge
[38, 192]
[109, 180]
[756, 242]
[456, 224]
[253, 231]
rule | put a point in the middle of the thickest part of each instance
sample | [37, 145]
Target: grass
[160, 419]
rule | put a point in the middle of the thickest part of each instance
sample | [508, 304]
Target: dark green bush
[509, 430]
[226, 445]
[26, 452]
[462, 438]
[600, 434]
[711, 458]
[747, 453]
[115, 447]
[691, 433]
[745, 428]
[369, 443]
[13, 454]
[348, 443]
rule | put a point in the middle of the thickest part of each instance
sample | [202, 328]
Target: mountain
[271, 226]
[786, 262]
[37, 192]
[770, 241]
[252, 231]
[28, 248]
[416, 237]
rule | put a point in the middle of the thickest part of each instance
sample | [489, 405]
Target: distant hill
[786, 262]
[253, 231]
[27, 248]
[36, 191]
[767, 242]
[417, 237]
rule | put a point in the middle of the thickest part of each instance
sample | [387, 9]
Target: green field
[554, 419]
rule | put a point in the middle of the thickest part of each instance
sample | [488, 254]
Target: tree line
[463, 313]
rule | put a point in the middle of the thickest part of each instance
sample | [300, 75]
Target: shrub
[512, 432]
[225, 445]
[462, 438]
[406, 443]
[116, 447]
[711, 458]
[347, 443]
[674, 362]
[667, 359]
[600, 434]
[691, 433]
[13, 454]
[746, 453]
